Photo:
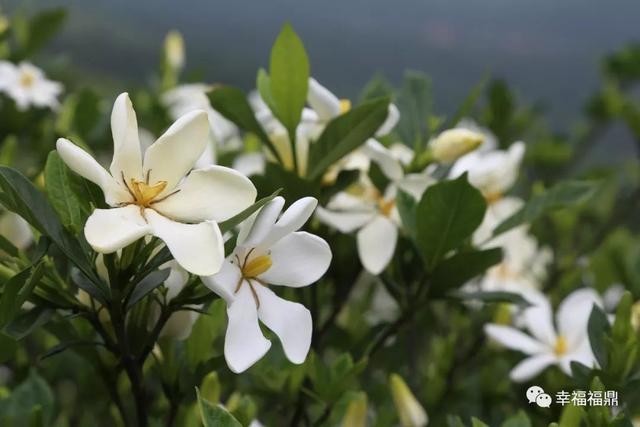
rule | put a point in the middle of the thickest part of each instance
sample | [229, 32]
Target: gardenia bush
[288, 257]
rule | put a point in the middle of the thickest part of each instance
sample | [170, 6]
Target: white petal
[538, 317]
[175, 153]
[215, 193]
[298, 259]
[255, 228]
[582, 353]
[323, 102]
[290, 321]
[127, 159]
[376, 244]
[225, 282]
[86, 166]
[198, 248]
[179, 325]
[108, 230]
[346, 221]
[383, 158]
[178, 278]
[393, 116]
[513, 339]
[250, 164]
[573, 313]
[291, 220]
[530, 367]
[15, 229]
[244, 343]
[416, 184]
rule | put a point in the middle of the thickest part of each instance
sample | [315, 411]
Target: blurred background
[549, 51]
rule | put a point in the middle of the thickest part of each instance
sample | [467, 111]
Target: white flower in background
[490, 142]
[186, 98]
[452, 144]
[372, 213]
[16, 230]
[269, 251]
[324, 106]
[550, 344]
[410, 411]
[356, 413]
[158, 194]
[27, 85]
[250, 163]
[492, 172]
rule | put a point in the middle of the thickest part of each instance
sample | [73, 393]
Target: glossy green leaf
[344, 134]
[16, 291]
[60, 183]
[289, 78]
[416, 104]
[598, 329]
[563, 194]
[462, 267]
[147, 285]
[491, 297]
[214, 415]
[446, 216]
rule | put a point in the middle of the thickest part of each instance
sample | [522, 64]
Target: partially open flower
[269, 251]
[158, 194]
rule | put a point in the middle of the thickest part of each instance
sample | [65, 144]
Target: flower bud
[411, 413]
[452, 144]
[356, 415]
[635, 316]
[210, 387]
[174, 50]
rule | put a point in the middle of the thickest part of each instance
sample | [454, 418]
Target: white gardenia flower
[372, 213]
[16, 230]
[550, 344]
[452, 144]
[492, 172]
[27, 85]
[157, 193]
[269, 251]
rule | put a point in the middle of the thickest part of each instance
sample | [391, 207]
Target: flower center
[256, 266]
[492, 197]
[386, 206]
[143, 193]
[561, 346]
[345, 105]
[26, 79]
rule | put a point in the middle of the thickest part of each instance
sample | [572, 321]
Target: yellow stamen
[386, 206]
[345, 105]
[256, 266]
[561, 346]
[144, 193]
[26, 79]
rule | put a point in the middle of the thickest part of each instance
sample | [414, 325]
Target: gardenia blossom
[269, 251]
[550, 344]
[157, 194]
[27, 85]
[373, 213]
[16, 230]
[324, 106]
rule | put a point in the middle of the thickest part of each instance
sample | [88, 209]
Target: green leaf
[232, 104]
[572, 416]
[25, 323]
[416, 104]
[491, 297]
[477, 423]
[407, 206]
[462, 267]
[31, 393]
[237, 219]
[263, 83]
[146, 285]
[16, 291]
[19, 195]
[59, 183]
[289, 78]
[519, 420]
[215, 415]
[447, 214]
[206, 336]
[344, 134]
[42, 27]
[598, 329]
[563, 194]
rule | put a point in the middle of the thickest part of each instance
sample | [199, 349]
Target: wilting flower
[410, 411]
[27, 85]
[269, 251]
[493, 172]
[158, 195]
[452, 144]
[371, 212]
[550, 345]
